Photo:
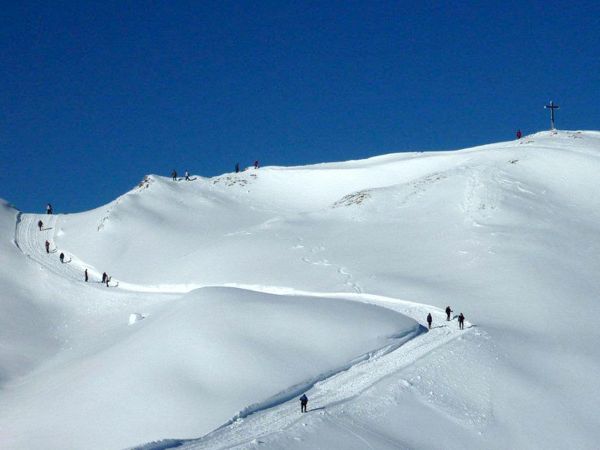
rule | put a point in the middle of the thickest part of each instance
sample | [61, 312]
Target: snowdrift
[191, 367]
[506, 233]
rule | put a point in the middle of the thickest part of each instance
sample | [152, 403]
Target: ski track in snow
[30, 240]
[280, 411]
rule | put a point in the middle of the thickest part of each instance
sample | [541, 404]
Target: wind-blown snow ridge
[32, 239]
[229, 271]
[331, 389]
[295, 391]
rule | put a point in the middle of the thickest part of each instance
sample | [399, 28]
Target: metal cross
[551, 107]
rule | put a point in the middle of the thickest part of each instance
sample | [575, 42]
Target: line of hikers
[186, 177]
[237, 166]
[175, 178]
[105, 278]
[461, 318]
[461, 325]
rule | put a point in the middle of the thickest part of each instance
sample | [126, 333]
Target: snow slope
[188, 368]
[506, 233]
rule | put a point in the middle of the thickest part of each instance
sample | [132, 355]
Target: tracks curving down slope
[279, 412]
[31, 241]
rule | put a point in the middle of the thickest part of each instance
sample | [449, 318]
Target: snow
[135, 317]
[231, 296]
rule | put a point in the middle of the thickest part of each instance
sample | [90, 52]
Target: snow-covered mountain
[231, 296]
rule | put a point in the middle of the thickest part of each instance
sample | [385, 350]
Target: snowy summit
[212, 305]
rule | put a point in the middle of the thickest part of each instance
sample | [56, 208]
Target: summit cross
[551, 107]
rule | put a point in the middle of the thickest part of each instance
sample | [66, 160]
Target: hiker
[48, 208]
[47, 247]
[429, 320]
[237, 167]
[256, 164]
[104, 277]
[174, 175]
[519, 134]
[448, 312]
[62, 257]
[86, 275]
[40, 224]
[303, 403]
[187, 176]
[107, 280]
[461, 321]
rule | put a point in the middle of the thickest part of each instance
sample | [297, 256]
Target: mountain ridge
[505, 232]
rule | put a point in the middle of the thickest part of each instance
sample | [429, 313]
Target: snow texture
[229, 297]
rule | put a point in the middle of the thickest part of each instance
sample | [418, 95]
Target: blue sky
[97, 94]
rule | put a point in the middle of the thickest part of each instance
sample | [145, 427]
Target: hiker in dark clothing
[303, 403]
[429, 320]
[62, 257]
[461, 321]
[48, 208]
[40, 224]
[519, 134]
[256, 164]
[47, 247]
[448, 312]
[174, 175]
[237, 167]
[86, 275]
[104, 277]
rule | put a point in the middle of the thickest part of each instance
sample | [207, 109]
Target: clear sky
[94, 95]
